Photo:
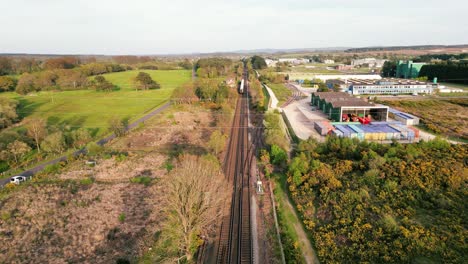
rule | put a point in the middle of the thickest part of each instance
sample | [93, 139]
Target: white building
[443, 89]
[294, 60]
[389, 86]
[372, 62]
[328, 61]
[271, 63]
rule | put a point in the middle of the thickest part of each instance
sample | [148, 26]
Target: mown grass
[92, 109]
[281, 92]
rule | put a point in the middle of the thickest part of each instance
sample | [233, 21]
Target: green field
[91, 109]
[281, 92]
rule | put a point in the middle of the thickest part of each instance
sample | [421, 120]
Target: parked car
[18, 179]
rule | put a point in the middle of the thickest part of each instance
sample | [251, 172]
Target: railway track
[235, 239]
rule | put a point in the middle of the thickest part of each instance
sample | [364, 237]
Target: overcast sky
[176, 26]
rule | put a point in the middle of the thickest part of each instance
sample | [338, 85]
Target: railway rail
[235, 239]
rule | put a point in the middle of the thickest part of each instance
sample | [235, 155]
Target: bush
[121, 157]
[52, 169]
[87, 181]
[278, 155]
[94, 149]
[122, 217]
[145, 180]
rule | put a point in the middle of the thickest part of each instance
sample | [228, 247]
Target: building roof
[338, 99]
[384, 81]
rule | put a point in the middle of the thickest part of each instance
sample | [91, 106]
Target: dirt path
[309, 253]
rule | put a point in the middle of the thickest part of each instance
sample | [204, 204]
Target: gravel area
[302, 119]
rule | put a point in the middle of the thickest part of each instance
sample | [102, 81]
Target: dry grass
[448, 118]
[58, 223]
[107, 218]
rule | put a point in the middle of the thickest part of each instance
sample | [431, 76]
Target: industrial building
[340, 106]
[383, 86]
[404, 118]
[370, 62]
[343, 67]
[408, 69]
[389, 86]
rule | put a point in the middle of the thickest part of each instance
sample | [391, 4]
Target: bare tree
[37, 130]
[18, 149]
[195, 195]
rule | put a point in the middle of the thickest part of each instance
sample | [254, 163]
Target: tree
[143, 81]
[195, 194]
[186, 64]
[8, 113]
[217, 142]
[18, 149]
[94, 69]
[46, 80]
[80, 137]
[61, 63]
[206, 88]
[54, 143]
[278, 155]
[185, 94]
[389, 69]
[36, 129]
[258, 62]
[101, 84]
[7, 83]
[26, 84]
[118, 126]
[5, 66]
[71, 79]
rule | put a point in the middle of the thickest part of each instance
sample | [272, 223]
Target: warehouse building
[389, 86]
[404, 118]
[341, 106]
[408, 69]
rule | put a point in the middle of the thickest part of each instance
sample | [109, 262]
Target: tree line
[72, 79]
[456, 72]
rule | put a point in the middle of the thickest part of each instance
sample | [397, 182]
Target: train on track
[241, 86]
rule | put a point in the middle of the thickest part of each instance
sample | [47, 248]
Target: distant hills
[417, 47]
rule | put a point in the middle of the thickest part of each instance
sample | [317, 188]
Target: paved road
[101, 142]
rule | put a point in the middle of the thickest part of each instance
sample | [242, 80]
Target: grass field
[91, 109]
[282, 93]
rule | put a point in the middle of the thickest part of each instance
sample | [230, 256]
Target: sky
[139, 27]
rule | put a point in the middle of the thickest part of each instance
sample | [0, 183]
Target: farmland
[448, 118]
[92, 109]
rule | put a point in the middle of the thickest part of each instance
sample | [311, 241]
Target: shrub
[145, 180]
[122, 217]
[52, 169]
[278, 155]
[87, 181]
[94, 149]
